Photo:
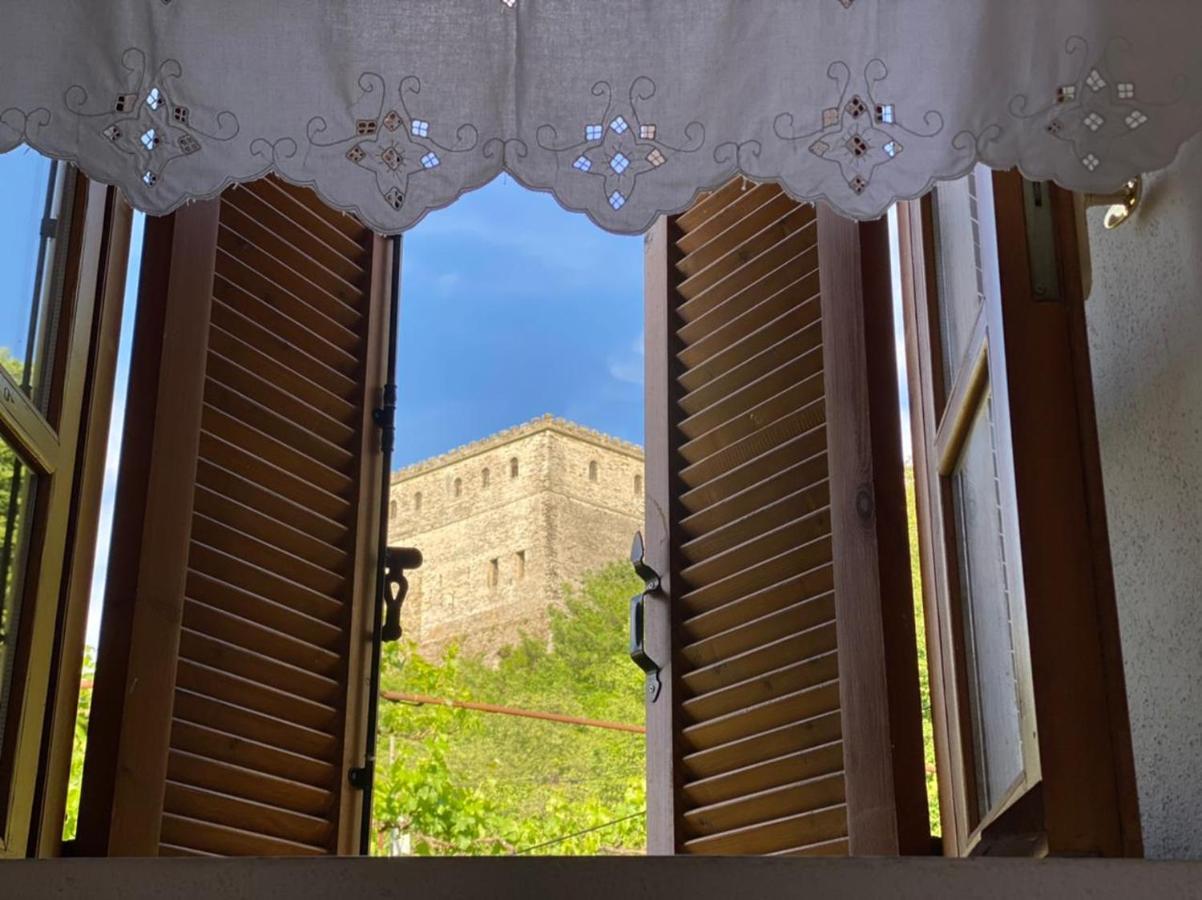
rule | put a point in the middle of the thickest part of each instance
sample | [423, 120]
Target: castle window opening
[417, 502]
[513, 467]
[520, 569]
[638, 484]
[392, 509]
[484, 478]
[494, 572]
[458, 487]
[592, 470]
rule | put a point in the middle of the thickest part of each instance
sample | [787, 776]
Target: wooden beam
[156, 596]
[878, 672]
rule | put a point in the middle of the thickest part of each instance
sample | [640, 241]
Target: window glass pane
[960, 280]
[987, 602]
[33, 190]
[16, 494]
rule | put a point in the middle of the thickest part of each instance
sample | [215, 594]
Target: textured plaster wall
[564, 523]
[1145, 330]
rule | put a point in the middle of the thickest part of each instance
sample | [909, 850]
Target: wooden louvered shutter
[244, 538]
[789, 721]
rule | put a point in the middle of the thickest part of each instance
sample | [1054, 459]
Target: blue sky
[23, 177]
[511, 308]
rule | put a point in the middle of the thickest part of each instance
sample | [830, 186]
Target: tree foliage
[455, 781]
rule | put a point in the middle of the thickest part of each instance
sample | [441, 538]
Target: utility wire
[568, 837]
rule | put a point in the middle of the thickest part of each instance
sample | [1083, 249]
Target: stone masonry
[505, 523]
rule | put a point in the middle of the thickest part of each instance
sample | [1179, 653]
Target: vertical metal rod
[385, 417]
[48, 228]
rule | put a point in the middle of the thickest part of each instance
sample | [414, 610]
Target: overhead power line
[424, 700]
[575, 834]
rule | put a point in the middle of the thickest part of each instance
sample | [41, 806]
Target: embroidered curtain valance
[623, 109]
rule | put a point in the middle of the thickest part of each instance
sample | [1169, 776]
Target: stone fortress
[504, 523]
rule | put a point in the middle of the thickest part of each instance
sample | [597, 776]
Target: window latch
[638, 645]
[396, 561]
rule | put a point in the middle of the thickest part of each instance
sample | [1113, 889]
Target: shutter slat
[802, 399]
[765, 716]
[285, 354]
[199, 771]
[262, 249]
[742, 752]
[234, 629]
[227, 454]
[262, 610]
[773, 208]
[765, 352]
[749, 198]
[242, 751]
[767, 269]
[279, 530]
[760, 631]
[762, 539]
[268, 556]
[241, 433]
[820, 825]
[276, 213]
[246, 815]
[706, 206]
[234, 659]
[775, 597]
[809, 419]
[764, 658]
[717, 338]
[272, 395]
[806, 761]
[742, 263]
[244, 291]
[244, 576]
[213, 839]
[749, 581]
[239, 721]
[197, 673]
[776, 802]
[753, 693]
[804, 483]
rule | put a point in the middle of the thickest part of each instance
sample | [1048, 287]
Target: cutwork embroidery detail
[620, 146]
[393, 145]
[144, 124]
[859, 133]
[1096, 108]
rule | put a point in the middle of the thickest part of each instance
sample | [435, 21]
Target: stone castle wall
[504, 524]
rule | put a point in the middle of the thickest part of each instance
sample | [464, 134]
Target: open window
[1030, 715]
[62, 271]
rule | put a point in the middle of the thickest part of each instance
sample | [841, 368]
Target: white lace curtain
[623, 109]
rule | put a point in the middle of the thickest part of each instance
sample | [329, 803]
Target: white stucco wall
[1145, 332]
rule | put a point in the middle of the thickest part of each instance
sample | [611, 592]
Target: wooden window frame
[1082, 799]
[68, 457]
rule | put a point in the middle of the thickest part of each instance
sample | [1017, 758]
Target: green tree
[453, 781]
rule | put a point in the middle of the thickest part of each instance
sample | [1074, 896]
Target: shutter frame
[248, 501]
[719, 277]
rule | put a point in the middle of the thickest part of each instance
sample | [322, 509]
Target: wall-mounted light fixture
[1122, 204]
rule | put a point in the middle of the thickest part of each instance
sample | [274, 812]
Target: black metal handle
[638, 623]
[396, 561]
[638, 649]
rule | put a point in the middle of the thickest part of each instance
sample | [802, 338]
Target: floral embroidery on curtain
[623, 109]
